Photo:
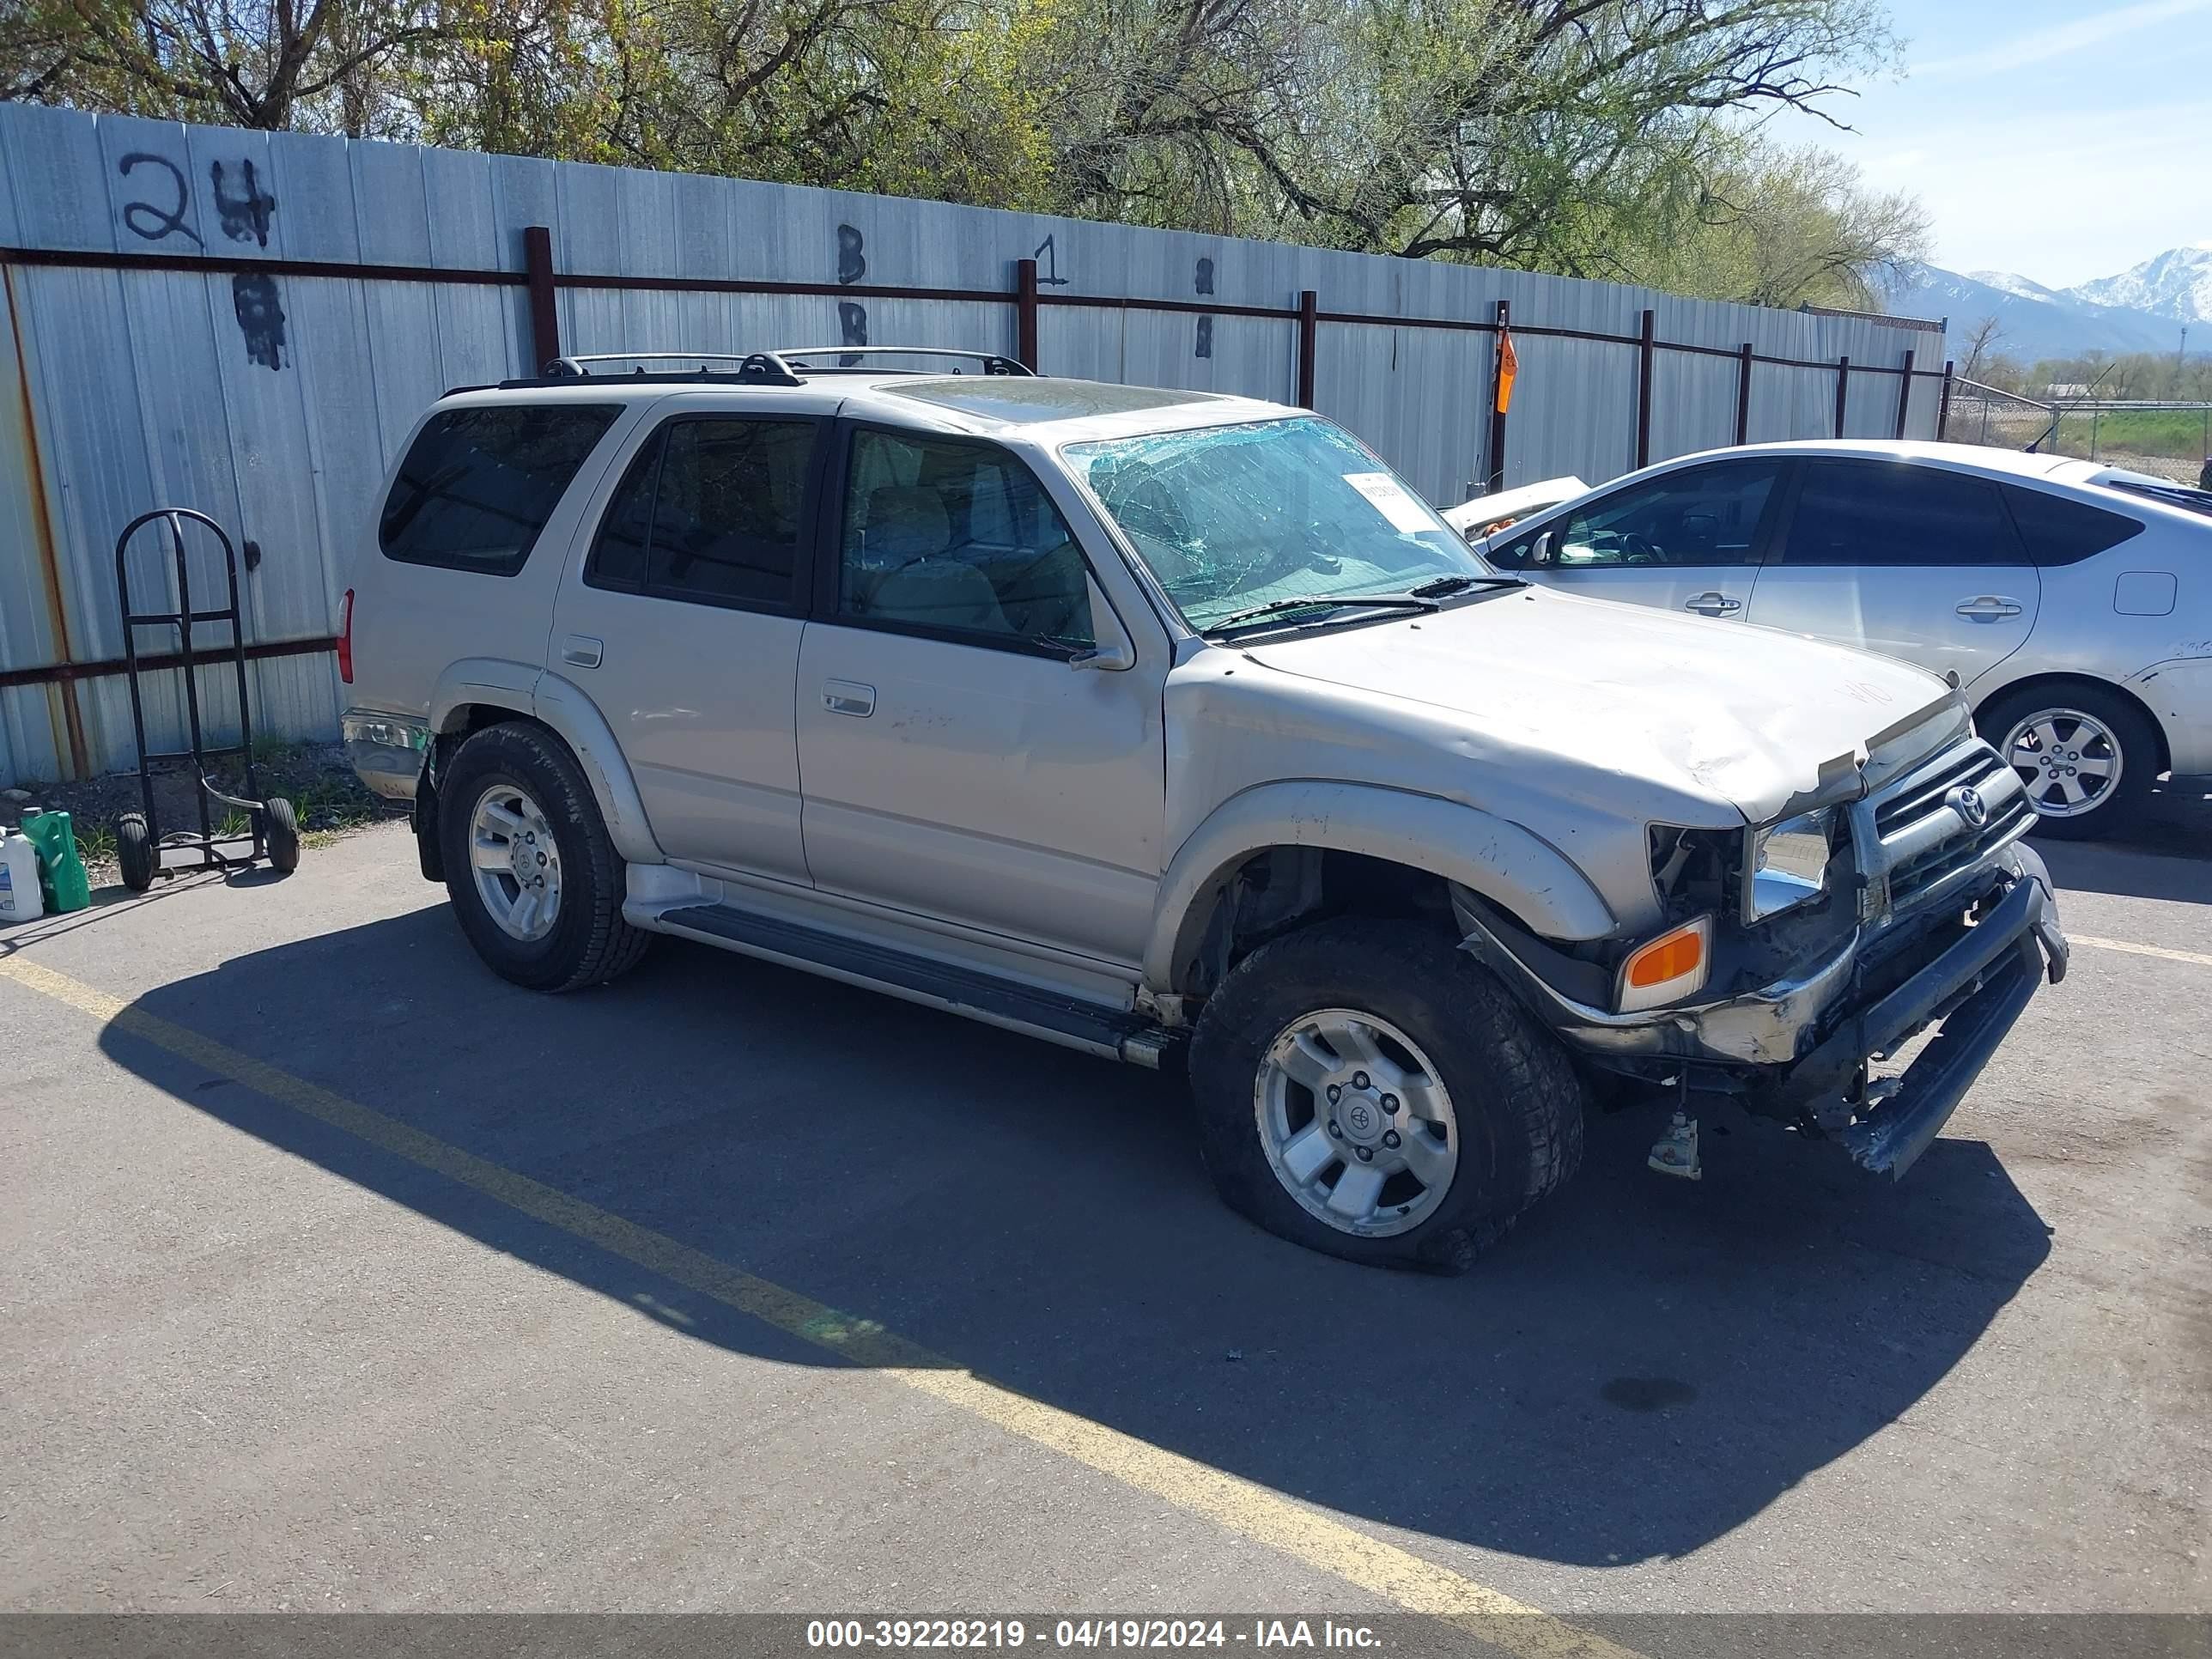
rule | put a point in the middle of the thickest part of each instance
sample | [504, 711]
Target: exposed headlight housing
[1786, 864]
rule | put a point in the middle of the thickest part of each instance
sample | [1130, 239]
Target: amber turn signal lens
[1670, 967]
[1673, 956]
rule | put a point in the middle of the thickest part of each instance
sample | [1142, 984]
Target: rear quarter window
[478, 484]
[2059, 530]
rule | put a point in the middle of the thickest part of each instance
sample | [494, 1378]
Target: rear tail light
[345, 639]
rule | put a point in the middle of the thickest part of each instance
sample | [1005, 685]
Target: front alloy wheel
[1356, 1123]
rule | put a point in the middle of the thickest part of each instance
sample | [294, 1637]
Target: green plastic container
[61, 871]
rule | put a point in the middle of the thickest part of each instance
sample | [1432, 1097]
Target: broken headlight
[1786, 864]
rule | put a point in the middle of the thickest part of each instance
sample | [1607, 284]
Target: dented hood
[1747, 716]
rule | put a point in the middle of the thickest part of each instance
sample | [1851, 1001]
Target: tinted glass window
[725, 520]
[2059, 530]
[478, 484]
[710, 509]
[1893, 513]
[618, 555]
[941, 533]
[1706, 515]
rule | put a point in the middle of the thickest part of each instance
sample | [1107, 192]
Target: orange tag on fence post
[1508, 366]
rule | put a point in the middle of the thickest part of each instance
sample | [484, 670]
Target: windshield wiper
[1444, 586]
[1411, 601]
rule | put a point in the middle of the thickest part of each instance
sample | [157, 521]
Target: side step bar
[1095, 1027]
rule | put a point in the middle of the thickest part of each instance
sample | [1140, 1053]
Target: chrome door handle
[848, 697]
[1713, 604]
[581, 650]
[1990, 607]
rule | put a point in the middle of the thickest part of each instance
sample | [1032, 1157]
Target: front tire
[1451, 1113]
[534, 877]
[2087, 755]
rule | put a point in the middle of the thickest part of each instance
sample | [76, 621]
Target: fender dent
[1494, 857]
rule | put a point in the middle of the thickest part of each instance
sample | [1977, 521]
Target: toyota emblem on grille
[1968, 803]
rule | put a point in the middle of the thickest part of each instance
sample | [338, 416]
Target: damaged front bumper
[1799, 1048]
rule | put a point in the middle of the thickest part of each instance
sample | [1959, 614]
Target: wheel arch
[1390, 828]
[2029, 685]
[480, 692]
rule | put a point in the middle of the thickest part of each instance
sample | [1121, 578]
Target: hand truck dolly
[140, 846]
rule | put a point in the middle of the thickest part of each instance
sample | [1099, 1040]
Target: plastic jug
[20, 899]
[61, 871]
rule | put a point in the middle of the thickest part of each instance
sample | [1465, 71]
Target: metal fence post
[1026, 314]
[1904, 394]
[1743, 393]
[1645, 357]
[1943, 409]
[544, 313]
[1497, 414]
[1308, 342]
[1842, 391]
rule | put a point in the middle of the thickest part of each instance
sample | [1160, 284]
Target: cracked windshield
[1234, 518]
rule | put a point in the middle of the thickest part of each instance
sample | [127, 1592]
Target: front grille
[1925, 857]
[1921, 793]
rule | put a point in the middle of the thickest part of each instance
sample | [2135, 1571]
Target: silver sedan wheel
[516, 861]
[2069, 761]
[1355, 1122]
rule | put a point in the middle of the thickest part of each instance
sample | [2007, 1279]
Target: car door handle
[581, 650]
[848, 697]
[1713, 604]
[1990, 607]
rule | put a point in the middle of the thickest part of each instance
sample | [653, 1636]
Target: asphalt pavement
[341, 1276]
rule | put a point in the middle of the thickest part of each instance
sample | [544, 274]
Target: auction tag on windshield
[1391, 499]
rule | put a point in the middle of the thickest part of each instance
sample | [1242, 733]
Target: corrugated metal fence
[248, 323]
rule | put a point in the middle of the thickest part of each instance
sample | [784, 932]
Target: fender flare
[562, 707]
[1479, 850]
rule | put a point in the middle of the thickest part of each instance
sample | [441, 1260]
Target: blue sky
[2062, 141]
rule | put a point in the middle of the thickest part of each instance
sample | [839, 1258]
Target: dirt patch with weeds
[315, 777]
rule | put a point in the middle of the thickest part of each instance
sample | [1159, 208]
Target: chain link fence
[2170, 440]
[1977, 414]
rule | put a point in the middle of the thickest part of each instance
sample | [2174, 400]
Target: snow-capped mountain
[2176, 284]
[2034, 321]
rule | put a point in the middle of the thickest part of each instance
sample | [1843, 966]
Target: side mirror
[1539, 550]
[1113, 651]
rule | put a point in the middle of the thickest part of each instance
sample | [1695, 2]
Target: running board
[1095, 1027]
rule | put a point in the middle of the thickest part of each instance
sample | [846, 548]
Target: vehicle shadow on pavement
[1643, 1365]
[2175, 829]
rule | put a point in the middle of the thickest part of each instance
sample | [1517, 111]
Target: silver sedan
[2073, 601]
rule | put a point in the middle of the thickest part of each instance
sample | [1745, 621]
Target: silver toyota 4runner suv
[1167, 724]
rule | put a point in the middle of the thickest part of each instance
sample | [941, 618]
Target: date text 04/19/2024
[1085, 1634]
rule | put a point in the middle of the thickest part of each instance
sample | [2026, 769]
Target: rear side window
[1893, 513]
[711, 510]
[2059, 530]
[478, 484]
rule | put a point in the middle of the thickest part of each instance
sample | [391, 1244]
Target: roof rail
[754, 367]
[780, 367]
[992, 362]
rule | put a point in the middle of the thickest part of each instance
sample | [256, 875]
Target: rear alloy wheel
[536, 882]
[2085, 757]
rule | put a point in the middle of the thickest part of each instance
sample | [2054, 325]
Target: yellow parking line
[1250, 1511]
[2158, 951]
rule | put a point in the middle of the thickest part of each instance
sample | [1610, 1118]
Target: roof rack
[781, 367]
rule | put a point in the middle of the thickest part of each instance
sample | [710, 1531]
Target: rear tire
[2040, 730]
[134, 851]
[1511, 1095]
[583, 939]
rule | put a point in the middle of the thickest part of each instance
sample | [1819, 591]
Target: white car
[2072, 601]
